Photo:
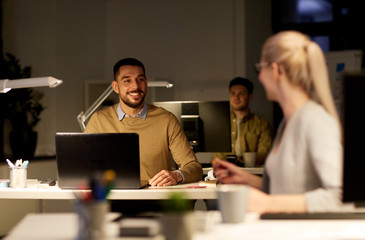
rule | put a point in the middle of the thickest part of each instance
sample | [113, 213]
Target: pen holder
[18, 177]
[91, 219]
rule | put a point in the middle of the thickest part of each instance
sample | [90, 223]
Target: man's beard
[133, 104]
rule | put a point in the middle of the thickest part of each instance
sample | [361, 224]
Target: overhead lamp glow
[6, 84]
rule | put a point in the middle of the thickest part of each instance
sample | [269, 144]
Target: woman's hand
[228, 173]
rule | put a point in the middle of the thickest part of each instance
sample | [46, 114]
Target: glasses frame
[260, 65]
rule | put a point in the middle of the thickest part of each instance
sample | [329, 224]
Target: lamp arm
[82, 117]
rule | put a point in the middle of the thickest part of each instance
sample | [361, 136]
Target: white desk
[254, 228]
[64, 227]
[60, 226]
[152, 193]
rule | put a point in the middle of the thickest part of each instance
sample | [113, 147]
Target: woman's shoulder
[314, 115]
[313, 111]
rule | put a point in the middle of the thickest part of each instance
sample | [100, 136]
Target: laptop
[80, 155]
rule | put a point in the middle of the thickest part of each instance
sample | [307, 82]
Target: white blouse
[308, 159]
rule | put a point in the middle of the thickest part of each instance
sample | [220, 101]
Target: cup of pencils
[92, 206]
[18, 173]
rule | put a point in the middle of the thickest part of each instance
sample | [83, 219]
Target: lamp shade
[159, 84]
[6, 84]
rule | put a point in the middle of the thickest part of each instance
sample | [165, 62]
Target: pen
[18, 163]
[10, 163]
[25, 163]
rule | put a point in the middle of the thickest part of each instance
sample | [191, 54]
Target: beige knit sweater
[159, 134]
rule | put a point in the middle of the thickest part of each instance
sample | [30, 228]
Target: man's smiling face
[131, 85]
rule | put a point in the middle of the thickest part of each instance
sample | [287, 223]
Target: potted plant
[22, 107]
[178, 219]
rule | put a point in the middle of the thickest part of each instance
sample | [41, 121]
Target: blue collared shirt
[143, 115]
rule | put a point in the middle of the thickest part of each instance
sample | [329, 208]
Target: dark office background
[334, 24]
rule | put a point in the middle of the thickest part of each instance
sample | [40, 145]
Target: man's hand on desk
[165, 178]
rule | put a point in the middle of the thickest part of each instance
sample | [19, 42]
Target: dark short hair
[127, 61]
[242, 81]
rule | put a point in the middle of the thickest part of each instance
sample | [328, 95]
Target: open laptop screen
[79, 155]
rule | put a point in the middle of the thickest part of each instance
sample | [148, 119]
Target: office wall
[257, 15]
[64, 39]
[198, 45]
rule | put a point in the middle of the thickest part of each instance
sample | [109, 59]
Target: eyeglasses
[259, 66]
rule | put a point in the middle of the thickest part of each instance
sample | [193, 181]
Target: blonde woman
[303, 172]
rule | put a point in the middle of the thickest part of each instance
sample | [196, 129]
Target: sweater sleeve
[183, 153]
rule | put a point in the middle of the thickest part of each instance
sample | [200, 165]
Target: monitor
[207, 125]
[354, 138]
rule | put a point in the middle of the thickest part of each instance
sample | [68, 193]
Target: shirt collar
[246, 118]
[142, 113]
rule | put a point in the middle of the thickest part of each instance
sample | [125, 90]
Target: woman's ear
[276, 69]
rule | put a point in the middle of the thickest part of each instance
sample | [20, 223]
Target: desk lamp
[83, 116]
[6, 84]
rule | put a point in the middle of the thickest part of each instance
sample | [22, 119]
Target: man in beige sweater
[159, 131]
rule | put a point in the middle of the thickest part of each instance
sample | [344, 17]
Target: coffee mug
[232, 202]
[249, 159]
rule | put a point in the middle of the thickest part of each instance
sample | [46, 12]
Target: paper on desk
[180, 186]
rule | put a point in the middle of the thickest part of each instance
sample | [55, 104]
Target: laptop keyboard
[322, 215]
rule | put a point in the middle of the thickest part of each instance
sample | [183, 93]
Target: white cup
[249, 159]
[232, 202]
[18, 177]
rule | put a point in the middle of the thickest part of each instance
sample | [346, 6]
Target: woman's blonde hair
[304, 63]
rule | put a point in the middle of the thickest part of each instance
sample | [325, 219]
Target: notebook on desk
[79, 155]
